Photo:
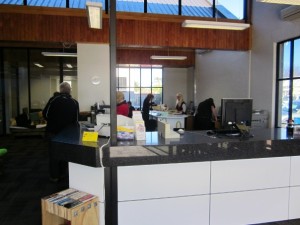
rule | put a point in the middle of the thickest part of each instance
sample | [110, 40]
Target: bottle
[290, 127]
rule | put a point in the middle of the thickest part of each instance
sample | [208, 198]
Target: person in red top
[122, 106]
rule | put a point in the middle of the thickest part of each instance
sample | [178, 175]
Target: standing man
[61, 111]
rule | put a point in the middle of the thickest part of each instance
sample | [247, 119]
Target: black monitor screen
[237, 111]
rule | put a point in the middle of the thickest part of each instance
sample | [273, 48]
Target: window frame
[140, 87]
[291, 79]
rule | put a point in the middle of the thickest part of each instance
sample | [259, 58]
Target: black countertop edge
[191, 147]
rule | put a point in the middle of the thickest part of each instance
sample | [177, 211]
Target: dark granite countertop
[192, 146]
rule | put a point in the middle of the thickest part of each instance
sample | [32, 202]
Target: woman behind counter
[146, 109]
[180, 104]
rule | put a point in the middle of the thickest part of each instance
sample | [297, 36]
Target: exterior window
[137, 81]
[229, 9]
[288, 82]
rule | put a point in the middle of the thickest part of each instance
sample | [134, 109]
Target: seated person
[180, 104]
[206, 115]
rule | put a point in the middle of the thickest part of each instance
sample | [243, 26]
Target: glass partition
[30, 79]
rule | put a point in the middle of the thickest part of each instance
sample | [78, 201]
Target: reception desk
[175, 120]
[195, 179]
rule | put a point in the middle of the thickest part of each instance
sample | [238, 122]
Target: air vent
[290, 13]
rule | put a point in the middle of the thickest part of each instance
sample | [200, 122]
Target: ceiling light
[59, 54]
[94, 13]
[168, 57]
[69, 66]
[38, 65]
[289, 2]
[214, 25]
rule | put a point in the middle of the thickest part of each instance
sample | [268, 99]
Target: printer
[103, 123]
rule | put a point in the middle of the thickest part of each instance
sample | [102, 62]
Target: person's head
[179, 97]
[150, 97]
[210, 100]
[120, 97]
[55, 94]
[65, 88]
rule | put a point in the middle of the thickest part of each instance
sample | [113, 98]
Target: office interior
[220, 64]
[243, 69]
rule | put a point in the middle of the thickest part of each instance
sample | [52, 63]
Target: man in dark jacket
[61, 111]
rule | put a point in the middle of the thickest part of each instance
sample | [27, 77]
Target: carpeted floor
[25, 180]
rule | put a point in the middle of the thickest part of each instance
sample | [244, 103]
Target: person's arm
[214, 113]
[183, 108]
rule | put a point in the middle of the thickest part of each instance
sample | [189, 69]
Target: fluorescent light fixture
[168, 57]
[94, 13]
[60, 54]
[38, 65]
[69, 65]
[214, 25]
[288, 2]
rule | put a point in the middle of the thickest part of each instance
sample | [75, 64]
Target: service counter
[175, 120]
[196, 179]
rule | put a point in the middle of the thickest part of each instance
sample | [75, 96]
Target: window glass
[197, 8]
[283, 102]
[44, 78]
[16, 84]
[296, 72]
[157, 92]
[135, 97]
[143, 79]
[296, 101]
[61, 3]
[13, 2]
[146, 77]
[130, 6]
[285, 60]
[82, 4]
[230, 9]
[163, 7]
[156, 77]
[123, 77]
[135, 77]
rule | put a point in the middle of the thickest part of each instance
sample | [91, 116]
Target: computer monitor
[236, 110]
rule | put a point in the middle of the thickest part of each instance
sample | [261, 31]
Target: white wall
[190, 85]
[174, 81]
[247, 74]
[268, 30]
[222, 74]
[93, 60]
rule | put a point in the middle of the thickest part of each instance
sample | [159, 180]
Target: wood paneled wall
[142, 56]
[41, 24]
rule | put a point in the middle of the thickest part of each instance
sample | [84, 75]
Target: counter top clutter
[192, 146]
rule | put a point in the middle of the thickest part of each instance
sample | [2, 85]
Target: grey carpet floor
[25, 180]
